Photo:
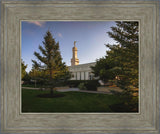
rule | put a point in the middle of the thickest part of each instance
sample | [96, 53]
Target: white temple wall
[81, 72]
[78, 75]
[82, 76]
[86, 75]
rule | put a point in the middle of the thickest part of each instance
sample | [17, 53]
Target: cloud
[37, 23]
[60, 35]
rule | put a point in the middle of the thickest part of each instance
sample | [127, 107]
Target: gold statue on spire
[75, 43]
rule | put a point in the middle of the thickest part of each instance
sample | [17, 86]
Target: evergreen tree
[23, 69]
[50, 62]
[122, 58]
[125, 54]
[101, 69]
[121, 62]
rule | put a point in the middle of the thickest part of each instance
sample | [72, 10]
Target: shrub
[82, 86]
[89, 84]
[74, 83]
[92, 85]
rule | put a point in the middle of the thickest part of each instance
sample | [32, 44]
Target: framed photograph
[82, 76]
[80, 66]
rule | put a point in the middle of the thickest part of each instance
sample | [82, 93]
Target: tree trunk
[51, 91]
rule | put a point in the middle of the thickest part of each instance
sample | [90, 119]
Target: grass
[71, 102]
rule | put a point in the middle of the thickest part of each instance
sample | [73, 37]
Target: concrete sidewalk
[31, 88]
[84, 91]
[94, 92]
[61, 90]
[70, 89]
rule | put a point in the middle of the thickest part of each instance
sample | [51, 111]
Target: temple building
[80, 71]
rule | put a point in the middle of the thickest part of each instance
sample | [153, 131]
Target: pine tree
[50, 62]
[101, 69]
[122, 58]
[121, 62]
[125, 54]
[23, 69]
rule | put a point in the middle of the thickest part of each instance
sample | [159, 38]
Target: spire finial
[75, 43]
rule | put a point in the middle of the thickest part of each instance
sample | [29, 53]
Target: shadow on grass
[122, 107]
[128, 103]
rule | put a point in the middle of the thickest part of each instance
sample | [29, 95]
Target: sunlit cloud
[37, 23]
[60, 35]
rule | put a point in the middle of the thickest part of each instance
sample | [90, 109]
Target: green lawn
[31, 85]
[71, 102]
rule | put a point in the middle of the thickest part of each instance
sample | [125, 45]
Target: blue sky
[90, 36]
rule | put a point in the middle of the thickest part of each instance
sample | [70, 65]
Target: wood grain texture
[13, 12]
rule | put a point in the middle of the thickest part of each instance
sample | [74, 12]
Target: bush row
[89, 84]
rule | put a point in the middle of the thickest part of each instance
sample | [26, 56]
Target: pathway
[70, 89]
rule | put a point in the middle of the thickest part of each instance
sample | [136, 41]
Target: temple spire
[74, 60]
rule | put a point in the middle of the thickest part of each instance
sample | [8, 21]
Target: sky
[91, 37]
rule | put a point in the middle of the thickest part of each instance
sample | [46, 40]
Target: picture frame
[14, 121]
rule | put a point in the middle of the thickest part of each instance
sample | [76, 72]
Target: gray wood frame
[146, 121]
